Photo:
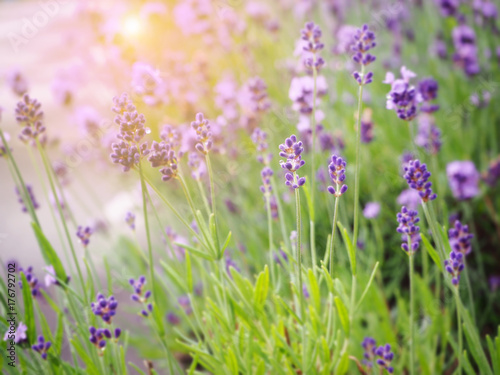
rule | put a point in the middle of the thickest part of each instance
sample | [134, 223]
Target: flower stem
[332, 239]
[412, 310]
[270, 235]
[299, 251]
[459, 324]
[212, 198]
[312, 234]
[356, 178]
[284, 234]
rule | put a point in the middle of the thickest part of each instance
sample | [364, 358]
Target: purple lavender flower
[31, 197]
[292, 151]
[465, 56]
[17, 82]
[3, 147]
[140, 296]
[311, 34]
[463, 179]
[185, 303]
[454, 266]
[42, 347]
[203, 133]
[130, 220]
[408, 220]
[147, 83]
[385, 357]
[197, 165]
[105, 308]
[31, 279]
[417, 176]
[19, 334]
[459, 238]
[301, 92]
[403, 97]
[231, 206]
[305, 291]
[409, 198]
[163, 155]
[366, 126]
[98, 336]
[253, 101]
[429, 135]
[364, 40]
[259, 138]
[128, 155]
[266, 188]
[30, 116]
[369, 345]
[492, 175]
[84, 233]
[371, 210]
[173, 318]
[428, 89]
[494, 282]
[448, 7]
[171, 136]
[336, 170]
[279, 257]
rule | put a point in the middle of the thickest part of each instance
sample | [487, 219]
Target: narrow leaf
[432, 253]
[343, 315]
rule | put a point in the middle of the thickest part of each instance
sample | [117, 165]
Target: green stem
[433, 225]
[284, 234]
[270, 235]
[204, 196]
[356, 178]
[299, 251]
[63, 219]
[312, 234]
[212, 198]
[412, 309]
[459, 324]
[332, 239]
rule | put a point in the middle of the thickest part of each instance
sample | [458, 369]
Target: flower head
[460, 238]
[371, 210]
[454, 265]
[366, 126]
[259, 138]
[163, 155]
[385, 357]
[429, 135]
[408, 220]
[141, 296]
[311, 34]
[266, 174]
[463, 178]
[492, 175]
[428, 89]
[336, 169]
[3, 147]
[84, 233]
[369, 345]
[417, 177]
[32, 198]
[31, 279]
[364, 40]
[105, 307]
[130, 220]
[403, 97]
[203, 134]
[131, 123]
[19, 333]
[292, 150]
[30, 116]
[42, 347]
[98, 336]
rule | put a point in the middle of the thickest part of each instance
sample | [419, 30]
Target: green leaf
[136, 368]
[288, 308]
[189, 273]
[49, 255]
[195, 251]
[174, 276]
[109, 279]
[343, 364]
[351, 251]
[29, 313]
[314, 290]
[261, 289]
[58, 339]
[231, 362]
[343, 315]
[474, 341]
[226, 244]
[432, 253]
[372, 276]
[493, 355]
[91, 368]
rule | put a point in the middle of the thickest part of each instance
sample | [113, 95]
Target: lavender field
[250, 187]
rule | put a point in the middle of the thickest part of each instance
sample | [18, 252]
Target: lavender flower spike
[84, 235]
[454, 266]
[29, 115]
[203, 133]
[42, 347]
[364, 40]
[141, 296]
[463, 178]
[408, 220]
[385, 357]
[336, 169]
[459, 238]
[292, 151]
[311, 34]
[417, 176]
[105, 308]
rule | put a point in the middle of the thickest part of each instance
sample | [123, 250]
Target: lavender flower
[465, 56]
[105, 308]
[42, 347]
[185, 303]
[448, 7]
[128, 155]
[369, 345]
[292, 151]
[454, 266]
[147, 83]
[173, 318]
[3, 147]
[31, 279]
[17, 82]
[336, 169]
[463, 179]
[140, 296]
[429, 135]
[130, 220]
[279, 257]
[417, 176]
[459, 238]
[266, 188]
[364, 40]
[254, 101]
[171, 136]
[301, 92]
[230, 263]
[305, 291]
[492, 175]
[385, 357]
[259, 138]
[197, 165]
[163, 155]
[366, 126]
[428, 89]
[29, 115]
[98, 336]
[84, 235]
[403, 97]
[409, 198]
[494, 282]
[408, 220]
[311, 34]
[203, 133]
[19, 334]
[31, 197]
[371, 210]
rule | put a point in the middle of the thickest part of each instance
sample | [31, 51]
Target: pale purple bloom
[17, 82]
[226, 97]
[492, 175]
[364, 40]
[84, 233]
[31, 196]
[19, 335]
[336, 170]
[50, 278]
[409, 198]
[30, 116]
[292, 150]
[130, 220]
[429, 135]
[403, 98]
[465, 56]
[371, 210]
[463, 178]
[454, 265]
[460, 238]
[147, 83]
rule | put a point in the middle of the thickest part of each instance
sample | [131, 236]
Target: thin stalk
[284, 234]
[469, 291]
[412, 309]
[63, 219]
[441, 208]
[432, 223]
[299, 252]
[270, 235]
[212, 198]
[312, 234]
[356, 177]
[204, 196]
[332, 239]
[459, 324]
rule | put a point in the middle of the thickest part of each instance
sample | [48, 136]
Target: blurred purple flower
[84, 233]
[409, 198]
[403, 97]
[492, 174]
[19, 334]
[459, 238]
[417, 177]
[147, 83]
[20, 193]
[336, 170]
[429, 135]
[16, 82]
[364, 40]
[371, 210]
[130, 220]
[408, 220]
[463, 179]
[454, 266]
[465, 56]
